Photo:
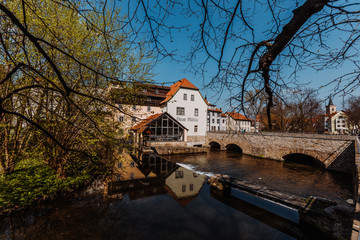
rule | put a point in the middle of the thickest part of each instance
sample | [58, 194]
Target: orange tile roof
[237, 116]
[214, 110]
[330, 115]
[142, 126]
[223, 115]
[183, 83]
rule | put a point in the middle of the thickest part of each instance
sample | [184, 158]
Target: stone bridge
[330, 151]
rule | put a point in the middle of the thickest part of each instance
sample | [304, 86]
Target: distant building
[137, 102]
[223, 122]
[335, 122]
[186, 104]
[238, 122]
[214, 120]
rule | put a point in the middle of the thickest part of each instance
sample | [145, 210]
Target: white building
[216, 121]
[137, 102]
[213, 118]
[335, 122]
[238, 122]
[223, 121]
[185, 103]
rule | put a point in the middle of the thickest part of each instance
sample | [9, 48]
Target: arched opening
[303, 159]
[233, 148]
[214, 146]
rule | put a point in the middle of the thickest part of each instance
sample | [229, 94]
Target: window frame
[196, 112]
[180, 111]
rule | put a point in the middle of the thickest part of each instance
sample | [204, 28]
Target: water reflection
[184, 185]
[153, 175]
[294, 178]
[139, 204]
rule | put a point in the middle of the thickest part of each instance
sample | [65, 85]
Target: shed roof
[143, 125]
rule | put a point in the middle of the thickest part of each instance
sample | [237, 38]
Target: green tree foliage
[57, 59]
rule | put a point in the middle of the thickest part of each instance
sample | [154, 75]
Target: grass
[33, 181]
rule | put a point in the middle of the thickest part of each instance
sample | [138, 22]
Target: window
[132, 164]
[223, 120]
[212, 113]
[195, 174]
[121, 118]
[196, 113]
[183, 188]
[213, 120]
[195, 128]
[218, 121]
[180, 111]
[179, 174]
[149, 109]
[191, 187]
[192, 97]
[185, 96]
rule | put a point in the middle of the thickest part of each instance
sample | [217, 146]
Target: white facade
[223, 122]
[213, 119]
[189, 108]
[238, 122]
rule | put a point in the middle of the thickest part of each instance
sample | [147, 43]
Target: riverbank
[32, 183]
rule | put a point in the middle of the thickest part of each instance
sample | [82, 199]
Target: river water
[164, 200]
[290, 177]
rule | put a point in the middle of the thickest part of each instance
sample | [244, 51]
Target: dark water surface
[163, 200]
[295, 178]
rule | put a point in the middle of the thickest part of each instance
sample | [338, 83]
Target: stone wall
[196, 139]
[168, 150]
[277, 146]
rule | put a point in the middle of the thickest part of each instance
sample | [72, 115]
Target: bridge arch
[215, 145]
[303, 158]
[233, 148]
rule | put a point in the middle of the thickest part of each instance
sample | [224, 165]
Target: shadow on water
[304, 160]
[156, 199]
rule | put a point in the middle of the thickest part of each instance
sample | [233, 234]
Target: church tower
[330, 108]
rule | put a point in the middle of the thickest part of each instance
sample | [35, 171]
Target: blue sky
[169, 71]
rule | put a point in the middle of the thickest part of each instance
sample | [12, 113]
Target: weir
[317, 215]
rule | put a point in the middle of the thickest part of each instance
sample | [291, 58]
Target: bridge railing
[358, 145]
[296, 135]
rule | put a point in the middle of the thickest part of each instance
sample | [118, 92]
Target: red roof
[183, 83]
[223, 115]
[142, 126]
[214, 110]
[237, 116]
[330, 115]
